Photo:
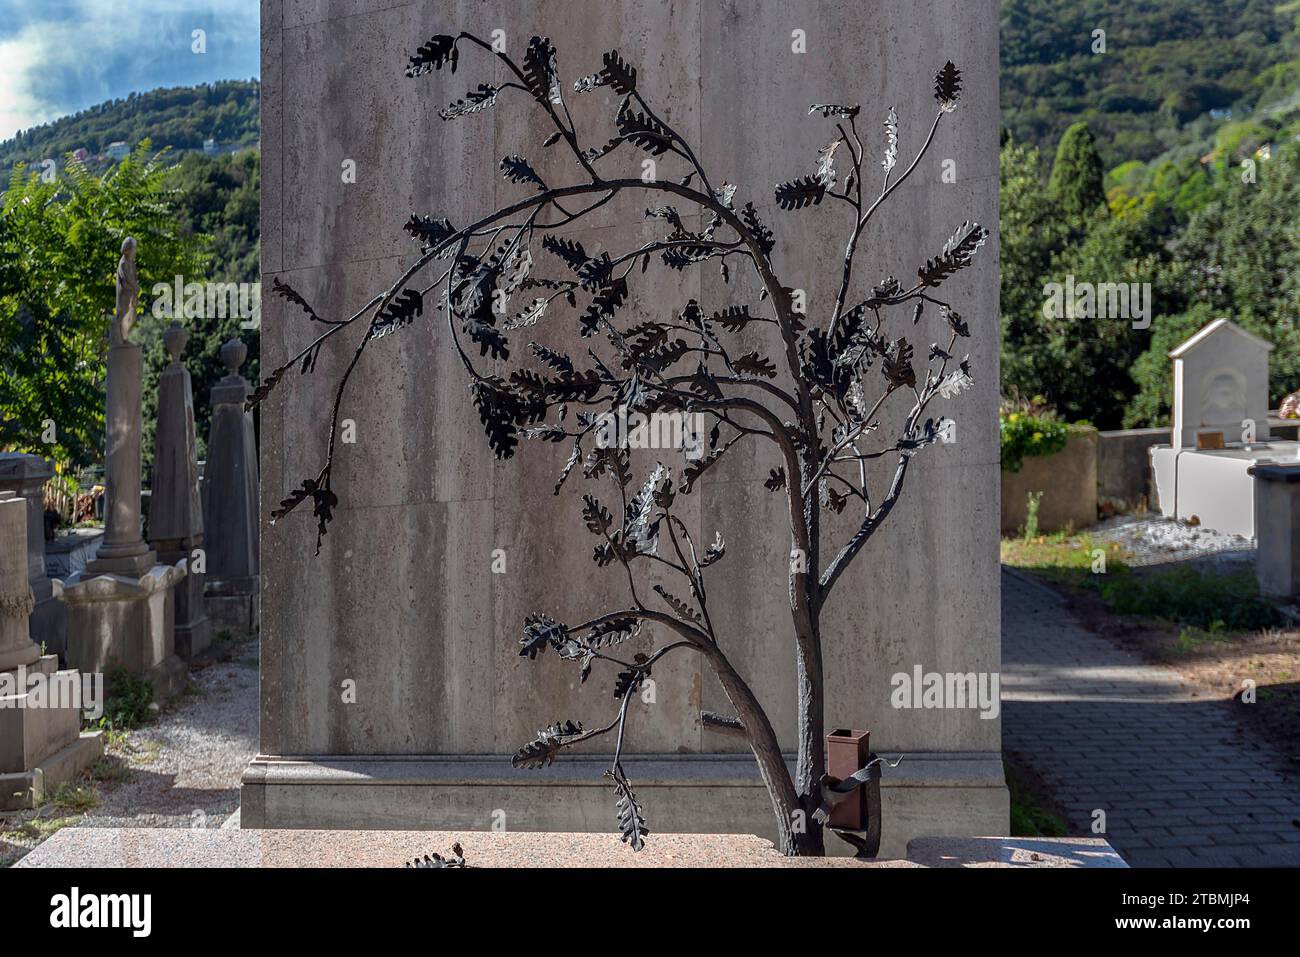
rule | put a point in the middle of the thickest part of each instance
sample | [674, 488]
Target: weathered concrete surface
[120, 621]
[1067, 481]
[40, 742]
[1277, 496]
[1124, 467]
[402, 600]
[102, 847]
[26, 475]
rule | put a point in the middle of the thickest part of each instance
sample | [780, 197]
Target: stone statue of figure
[128, 291]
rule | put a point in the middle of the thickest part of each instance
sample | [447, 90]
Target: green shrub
[1024, 435]
[128, 703]
[1208, 601]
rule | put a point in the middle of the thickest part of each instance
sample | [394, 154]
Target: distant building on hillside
[118, 151]
[210, 147]
[81, 154]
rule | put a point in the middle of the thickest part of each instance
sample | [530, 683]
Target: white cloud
[61, 56]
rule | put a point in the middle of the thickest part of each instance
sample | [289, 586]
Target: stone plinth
[41, 744]
[1277, 529]
[230, 507]
[402, 599]
[26, 475]
[122, 621]
[175, 509]
[97, 847]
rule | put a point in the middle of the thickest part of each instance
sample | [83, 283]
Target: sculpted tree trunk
[813, 402]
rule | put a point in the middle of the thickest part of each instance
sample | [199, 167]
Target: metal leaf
[833, 109]
[947, 87]
[438, 52]
[475, 100]
[891, 141]
[798, 193]
[957, 253]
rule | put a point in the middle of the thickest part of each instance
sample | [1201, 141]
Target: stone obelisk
[230, 501]
[123, 550]
[175, 510]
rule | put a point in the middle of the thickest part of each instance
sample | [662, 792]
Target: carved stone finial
[174, 340]
[233, 354]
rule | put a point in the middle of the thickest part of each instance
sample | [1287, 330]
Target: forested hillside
[1167, 64]
[180, 118]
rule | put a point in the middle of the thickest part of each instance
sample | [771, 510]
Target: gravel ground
[180, 770]
[1152, 540]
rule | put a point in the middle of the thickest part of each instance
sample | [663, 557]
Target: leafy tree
[1076, 183]
[216, 200]
[822, 400]
[1239, 256]
[59, 246]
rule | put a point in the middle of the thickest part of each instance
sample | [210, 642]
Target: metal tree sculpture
[820, 422]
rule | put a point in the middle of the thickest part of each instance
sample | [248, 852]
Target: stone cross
[230, 489]
[123, 550]
[175, 509]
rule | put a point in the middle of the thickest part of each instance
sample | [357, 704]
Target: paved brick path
[1177, 782]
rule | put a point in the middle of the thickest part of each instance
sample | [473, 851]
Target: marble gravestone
[1221, 432]
[26, 475]
[41, 743]
[175, 510]
[402, 604]
[1220, 384]
[120, 608]
[230, 501]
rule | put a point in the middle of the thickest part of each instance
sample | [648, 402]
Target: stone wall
[1067, 480]
[1124, 466]
[402, 600]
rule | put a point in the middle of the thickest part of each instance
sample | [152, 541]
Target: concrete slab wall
[1067, 480]
[402, 599]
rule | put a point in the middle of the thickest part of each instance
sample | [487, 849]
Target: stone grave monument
[175, 510]
[1220, 432]
[41, 742]
[402, 604]
[120, 608]
[230, 508]
[26, 475]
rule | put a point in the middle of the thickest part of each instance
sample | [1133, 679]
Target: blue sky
[61, 56]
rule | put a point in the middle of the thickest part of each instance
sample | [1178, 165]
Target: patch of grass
[1030, 817]
[128, 705]
[73, 798]
[1208, 602]
[109, 770]
[1064, 558]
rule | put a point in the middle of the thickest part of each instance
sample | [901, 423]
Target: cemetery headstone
[230, 509]
[121, 609]
[402, 636]
[41, 743]
[175, 509]
[1220, 386]
[26, 475]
